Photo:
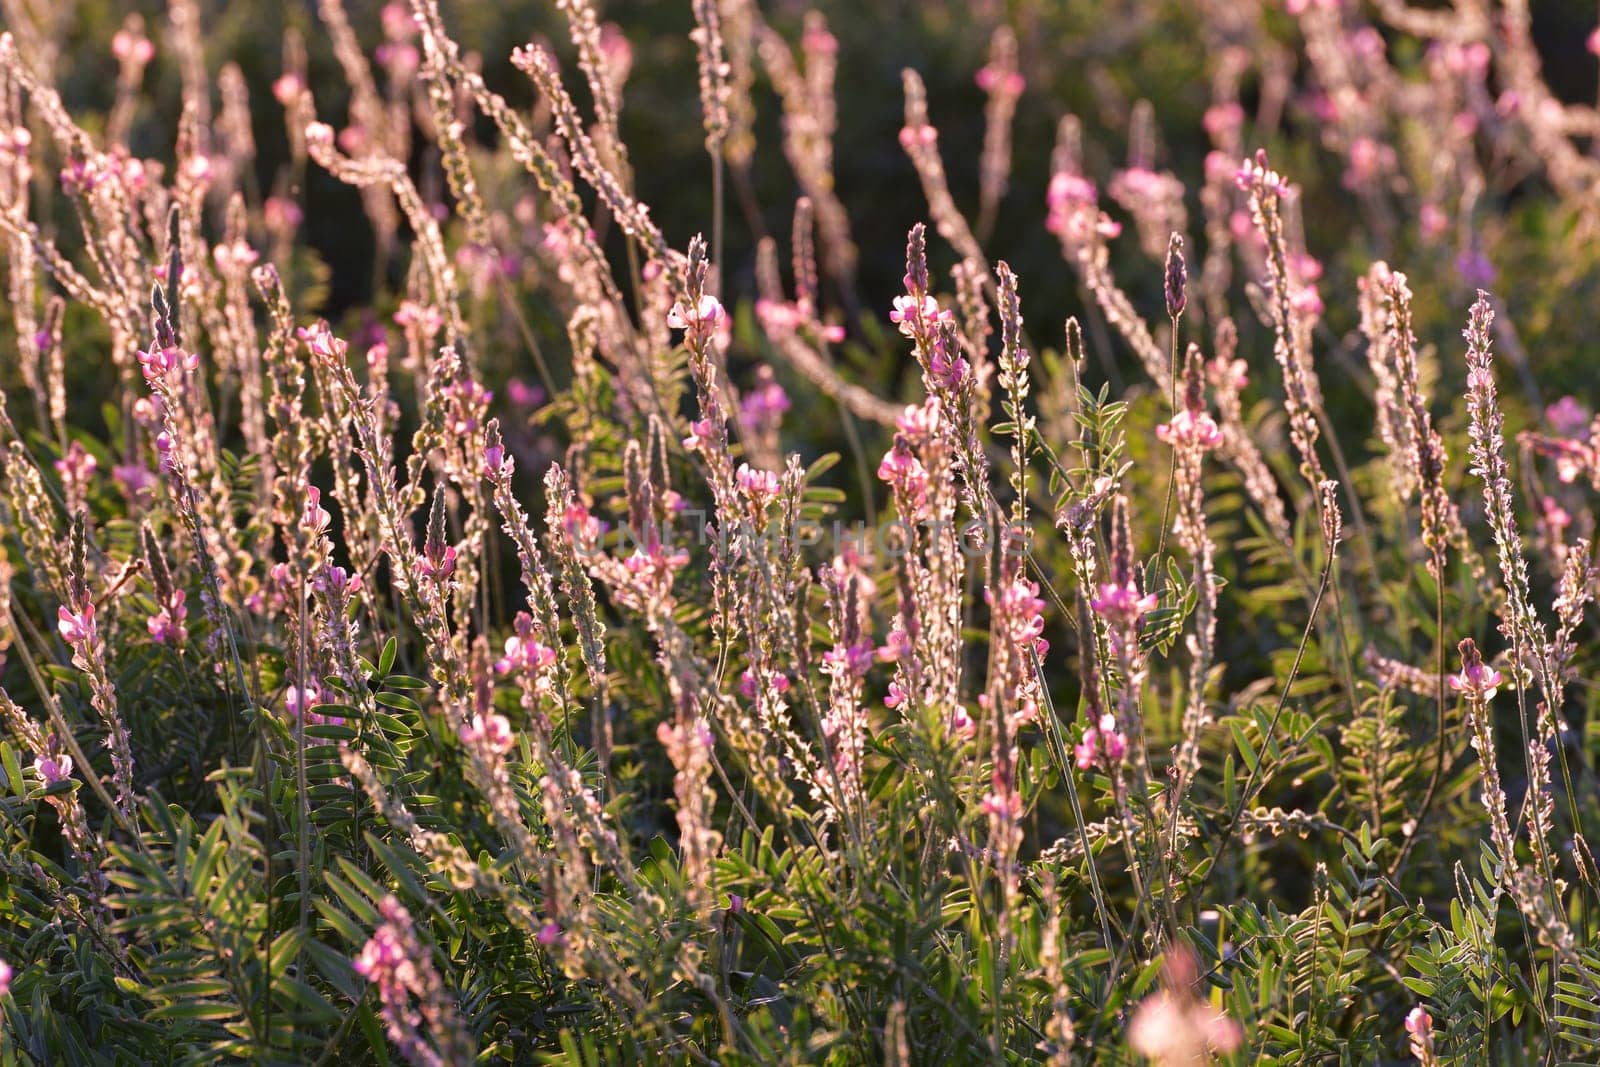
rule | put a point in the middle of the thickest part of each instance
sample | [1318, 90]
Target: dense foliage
[588, 561]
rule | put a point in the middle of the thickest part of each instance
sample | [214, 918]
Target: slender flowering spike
[1177, 278]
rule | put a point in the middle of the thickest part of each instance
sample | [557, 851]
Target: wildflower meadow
[760, 532]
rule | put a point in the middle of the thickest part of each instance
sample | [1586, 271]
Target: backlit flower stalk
[78, 627]
[1521, 626]
[418, 1013]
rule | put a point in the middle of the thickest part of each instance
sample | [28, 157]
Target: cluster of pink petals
[749, 686]
[76, 469]
[905, 472]
[1568, 417]
[301, 699]
[759, 487]
[916, 316]
[701, 320]
[321, 342]
[1477, 680]
[1121, 604]
[850, 660]
[158, 363]
[523, 652]
[491, 731]
[763, 407]
[948, 368]
[166, 625]
[1073, 210]
[1101, 742]
[1020, 611]
[655, 567]
[1190, 429]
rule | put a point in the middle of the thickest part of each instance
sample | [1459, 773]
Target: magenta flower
[166, 625]
[321, 342]
[1568, 417]
[1121, 603]
[1101, 742]
[52, 770]
[77, 628]
[5, 978]
[915, 316]
[1477, 680]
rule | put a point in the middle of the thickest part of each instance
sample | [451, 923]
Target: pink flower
[699, 433]
[915, 316]
[1102, 741]
[1568, 417]
[1592, 42]
[323, 344]
[851, 660]
[76, 468]
[300, 699]
[1003, 804]
[523, 652]
[438, 563]
[701, 320]
[494, 458]
[52, 770]
[656, 568]
[5, 978]
[759, 487]
[1122, 604]
[748, 686]
[1419, 1024]
[919, 421]
[905, 473]
[77, 628]
[166, 625]
[579, 525]
[763, 407]
[1190, 429]
[160, 362]
[550, 934]
[1476, 679]
[491, 730]
[132, 48]
[946, 368]
[962, 724]
[315, 519]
